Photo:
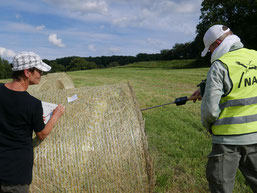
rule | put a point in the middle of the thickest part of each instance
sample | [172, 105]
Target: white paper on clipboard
[48, 110]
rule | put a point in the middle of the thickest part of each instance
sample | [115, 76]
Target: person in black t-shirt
[20, 115]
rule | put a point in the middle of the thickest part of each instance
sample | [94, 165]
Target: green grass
[174, 64]
[5, 80]
[178, 143]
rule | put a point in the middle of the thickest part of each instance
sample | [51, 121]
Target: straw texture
[52, 81]
[99, 145]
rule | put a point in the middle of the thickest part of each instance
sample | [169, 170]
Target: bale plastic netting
[53, 81]
[99, 145]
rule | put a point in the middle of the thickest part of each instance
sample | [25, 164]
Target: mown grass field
[178, 144]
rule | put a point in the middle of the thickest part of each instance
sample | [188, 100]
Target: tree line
[5, 69]
[238, 15]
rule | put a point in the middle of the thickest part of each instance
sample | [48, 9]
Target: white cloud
[18, 27]
[161, 15]
[154, 42]
[6, 53]
[125, 21]
[114, 50]
[54, 40]
[92, 48]
[40, 28]
[82, 6]
[18, 16]
[167, 7]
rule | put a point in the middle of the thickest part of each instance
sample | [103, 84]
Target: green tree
[180, 51]
[165, 51]
[5, 69]
[56, 67]
[80, 64]
[239, 15]
[91, 65]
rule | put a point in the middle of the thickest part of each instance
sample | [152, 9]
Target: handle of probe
[182, 100]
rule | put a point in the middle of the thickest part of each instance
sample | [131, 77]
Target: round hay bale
[52, 81]
[99, 145]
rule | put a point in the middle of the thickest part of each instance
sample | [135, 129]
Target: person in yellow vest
[229, 110]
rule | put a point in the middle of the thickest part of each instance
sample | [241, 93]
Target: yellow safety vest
[239, 107]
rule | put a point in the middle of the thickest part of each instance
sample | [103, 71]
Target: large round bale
[99, 145]
[52, 81]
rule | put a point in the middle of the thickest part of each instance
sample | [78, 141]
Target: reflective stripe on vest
[239, 108]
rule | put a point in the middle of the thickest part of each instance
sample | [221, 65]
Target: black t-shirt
[20, 114]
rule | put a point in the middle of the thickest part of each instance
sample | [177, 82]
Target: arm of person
[57, 113]
[218, 83]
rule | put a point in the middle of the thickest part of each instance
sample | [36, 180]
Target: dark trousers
[223, 163]
[14, 188]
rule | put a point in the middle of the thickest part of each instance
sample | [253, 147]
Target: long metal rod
[157, 106]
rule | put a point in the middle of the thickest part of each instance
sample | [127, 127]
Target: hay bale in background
[99, 145]
[52, 81]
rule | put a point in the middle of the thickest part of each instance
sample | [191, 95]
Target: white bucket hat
[211, 35]
[27, 60]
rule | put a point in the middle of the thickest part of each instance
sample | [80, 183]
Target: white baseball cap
[27, 60]
[211, 35]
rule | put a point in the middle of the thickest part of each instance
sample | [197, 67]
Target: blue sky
[60, 28]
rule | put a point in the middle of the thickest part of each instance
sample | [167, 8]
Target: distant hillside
[173, 64]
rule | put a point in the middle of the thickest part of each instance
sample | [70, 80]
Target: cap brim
[204, 52]
[43, 67]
